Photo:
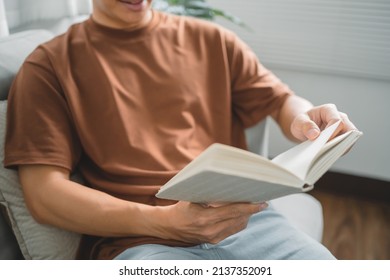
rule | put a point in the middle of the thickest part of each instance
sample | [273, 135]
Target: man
[128, 98]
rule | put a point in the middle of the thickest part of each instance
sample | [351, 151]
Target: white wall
[367, 104]
[365, 98]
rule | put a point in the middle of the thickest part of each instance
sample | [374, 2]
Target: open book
[226, 174]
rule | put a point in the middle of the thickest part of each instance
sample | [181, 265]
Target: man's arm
[300, 120]
[53, 199]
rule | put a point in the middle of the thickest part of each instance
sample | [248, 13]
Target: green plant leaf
[196, 8]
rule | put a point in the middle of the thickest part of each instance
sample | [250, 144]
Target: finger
[226, 228]
[311, 130]
[214, 224]
[236, 210]
[345, 126]
[329, 114]
[304, 128]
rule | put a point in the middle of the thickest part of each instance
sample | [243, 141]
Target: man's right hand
[195, 223]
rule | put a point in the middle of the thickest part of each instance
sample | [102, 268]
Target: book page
[333, 150]
[216, 187]
[299, 158]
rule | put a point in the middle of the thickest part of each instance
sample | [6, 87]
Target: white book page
[299, 158]
[326, 158]
[214, 186]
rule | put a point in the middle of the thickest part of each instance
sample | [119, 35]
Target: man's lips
[135, 2]
[134, 5]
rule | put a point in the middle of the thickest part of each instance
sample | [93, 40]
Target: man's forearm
[55, 200]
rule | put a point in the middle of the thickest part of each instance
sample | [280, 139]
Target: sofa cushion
[36, 241]
[13, 51]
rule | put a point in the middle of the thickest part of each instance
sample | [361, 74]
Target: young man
[130, 97]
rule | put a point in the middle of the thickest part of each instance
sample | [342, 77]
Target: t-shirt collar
[124, 33]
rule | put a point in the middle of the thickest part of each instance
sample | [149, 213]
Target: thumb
[311, 130]
[303, 128]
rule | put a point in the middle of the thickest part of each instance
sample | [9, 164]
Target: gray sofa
[22, 238]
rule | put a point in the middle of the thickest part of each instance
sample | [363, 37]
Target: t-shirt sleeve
[39, 122]
[256, 91]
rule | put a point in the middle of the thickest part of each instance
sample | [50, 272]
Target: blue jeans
[267, 236]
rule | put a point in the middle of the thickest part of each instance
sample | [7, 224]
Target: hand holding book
[227, 174]
[308, 125]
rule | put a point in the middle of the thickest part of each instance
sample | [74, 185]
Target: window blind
[350, 37]
[20, 12]
[3, 20]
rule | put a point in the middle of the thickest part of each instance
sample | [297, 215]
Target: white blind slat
[3, 21]
[344, 36]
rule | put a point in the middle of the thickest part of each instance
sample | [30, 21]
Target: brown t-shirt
[129, 109]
